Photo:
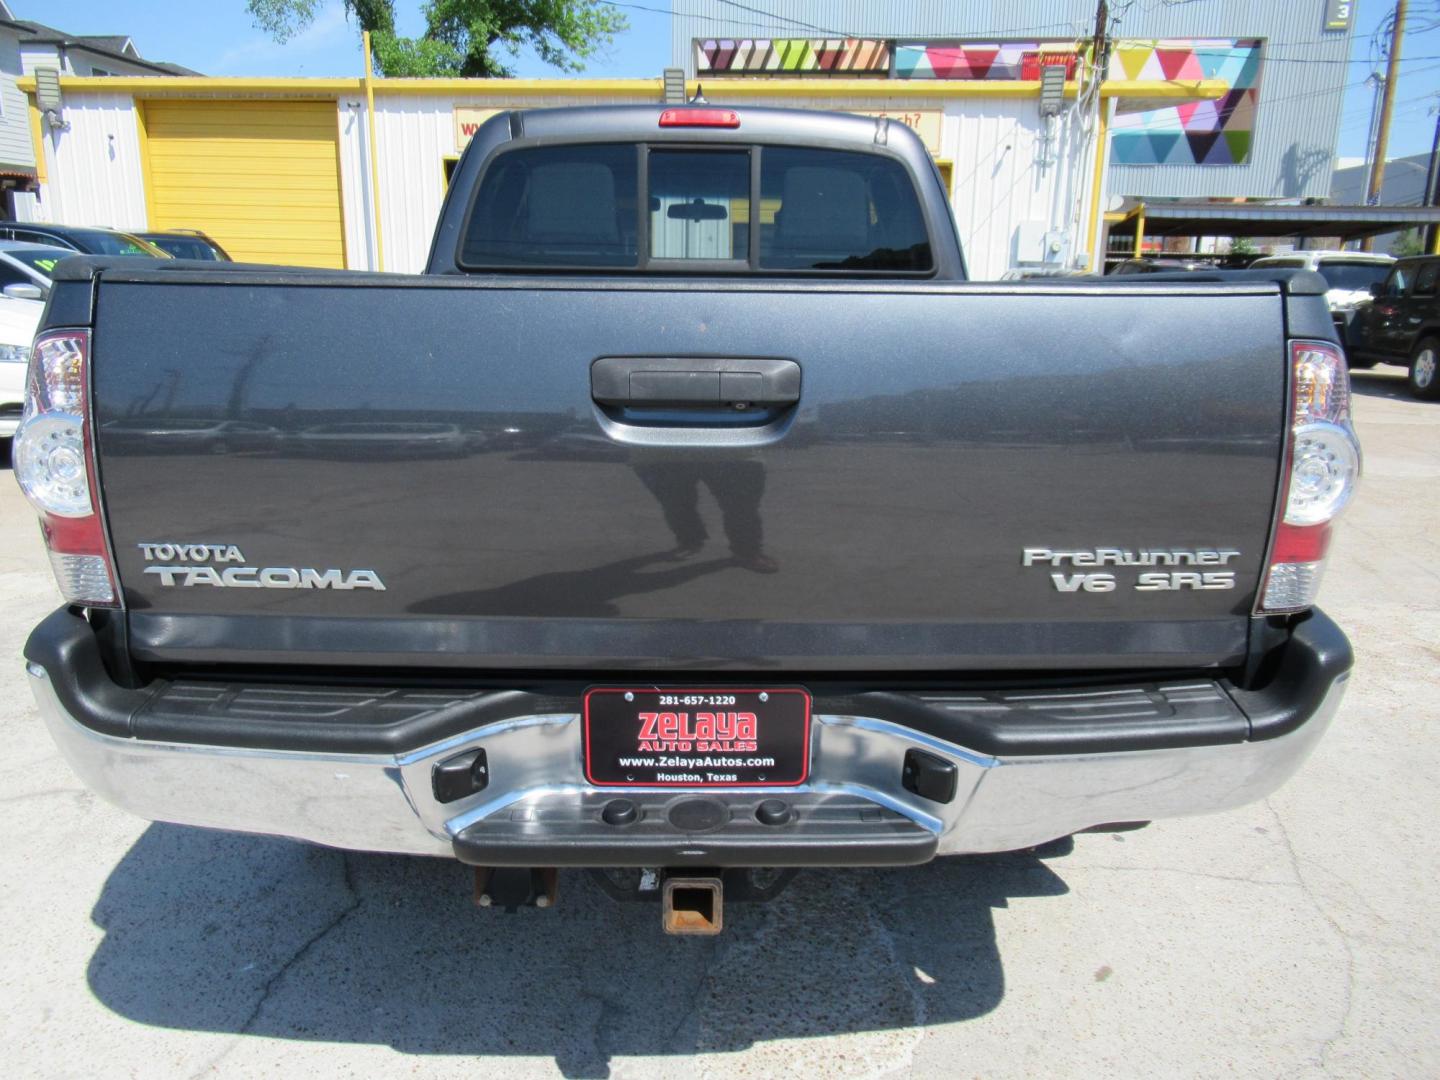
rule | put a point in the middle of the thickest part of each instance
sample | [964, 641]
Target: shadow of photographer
[219, 932]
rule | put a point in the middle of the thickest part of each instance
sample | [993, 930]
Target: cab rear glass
[627, 206]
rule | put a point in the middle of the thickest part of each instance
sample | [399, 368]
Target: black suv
[1401, 323]
[87, 241]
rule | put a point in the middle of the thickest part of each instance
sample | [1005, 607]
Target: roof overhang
[1158, 91]
[68, 43]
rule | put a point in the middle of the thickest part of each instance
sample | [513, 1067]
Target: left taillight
[54, 461]
[1322, 466]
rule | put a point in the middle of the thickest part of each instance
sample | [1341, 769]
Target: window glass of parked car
[185, 247]
[555, 206]
[839, 210]
[94, 241]
[1396, 282]
[10, 274]
[699, 204]
[1425, 279]
[1358, 275]
[41, 260]
[576, 206]
[108, 243]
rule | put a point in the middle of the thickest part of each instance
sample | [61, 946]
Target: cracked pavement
[1291, 938]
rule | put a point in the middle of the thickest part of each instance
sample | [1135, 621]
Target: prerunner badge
[696, 738]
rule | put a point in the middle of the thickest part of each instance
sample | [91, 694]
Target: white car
[26, 269]
[18, 320]
[1349, 275]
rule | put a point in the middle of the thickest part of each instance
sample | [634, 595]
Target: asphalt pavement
[1295, 937]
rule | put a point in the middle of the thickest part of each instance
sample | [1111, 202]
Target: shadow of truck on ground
[219, 932]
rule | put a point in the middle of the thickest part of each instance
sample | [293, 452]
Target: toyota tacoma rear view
[692, 515]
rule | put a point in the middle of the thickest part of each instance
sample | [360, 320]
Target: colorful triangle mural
[1215, 132]
[1200, 143]
[1218, 132]
[1172, 61]
[799, 56]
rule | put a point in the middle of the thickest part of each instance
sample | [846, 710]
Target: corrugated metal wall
[414, 134]
[1303, 78]
[1000, 183]
[94, 165]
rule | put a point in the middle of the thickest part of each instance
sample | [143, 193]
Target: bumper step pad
[693, 829]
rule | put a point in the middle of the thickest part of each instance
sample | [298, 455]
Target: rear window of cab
[623, 206]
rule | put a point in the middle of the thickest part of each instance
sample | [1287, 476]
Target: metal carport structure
[1247, 219]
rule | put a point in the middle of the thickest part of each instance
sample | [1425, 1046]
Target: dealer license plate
[696, 738]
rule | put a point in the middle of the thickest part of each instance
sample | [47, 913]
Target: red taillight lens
[54, 461]
[693, 117]
[1322, 465]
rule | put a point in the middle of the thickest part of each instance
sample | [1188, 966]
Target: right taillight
[53, 460]
[1322, 464]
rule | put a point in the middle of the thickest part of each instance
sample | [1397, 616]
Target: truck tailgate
[442, 435]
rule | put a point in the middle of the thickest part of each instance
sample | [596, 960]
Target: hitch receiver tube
[693, 905]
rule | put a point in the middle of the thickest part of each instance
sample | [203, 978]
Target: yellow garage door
[261, 178]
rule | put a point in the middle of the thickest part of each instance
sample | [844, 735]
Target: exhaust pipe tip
[693, 905]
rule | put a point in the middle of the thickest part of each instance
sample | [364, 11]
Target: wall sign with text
[924, 122]
[468, 119]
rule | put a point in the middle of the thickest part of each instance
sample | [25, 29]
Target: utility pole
[1100, 58]
[1382, 137]
[1101, 46]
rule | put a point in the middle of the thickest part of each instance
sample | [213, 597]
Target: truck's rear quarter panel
[442, 434]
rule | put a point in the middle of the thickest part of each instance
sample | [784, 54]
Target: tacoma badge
[191, 564]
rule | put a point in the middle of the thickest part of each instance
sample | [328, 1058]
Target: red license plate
[658, 737]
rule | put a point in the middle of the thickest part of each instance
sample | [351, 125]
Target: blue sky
[219, 38]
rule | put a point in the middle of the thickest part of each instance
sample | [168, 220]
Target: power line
[780, 18]
[1264, 101]
[1407, 103]
[1265, 46]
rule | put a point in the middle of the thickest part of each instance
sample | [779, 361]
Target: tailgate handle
[667, 381]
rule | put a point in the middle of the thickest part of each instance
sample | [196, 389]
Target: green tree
[1410, 242]
[1242, 245]
[463, 37]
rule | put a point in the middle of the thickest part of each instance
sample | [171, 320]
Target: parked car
[87, 241]
[186, 244]
[1024, 273]
[18, 320]
[1401, 323]
[1158, 266]
[26, 269]
[840, 559]
[1348, 273]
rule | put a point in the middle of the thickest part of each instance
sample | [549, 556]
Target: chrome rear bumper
[384, 801]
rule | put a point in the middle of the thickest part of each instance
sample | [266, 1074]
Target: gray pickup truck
[692, 514]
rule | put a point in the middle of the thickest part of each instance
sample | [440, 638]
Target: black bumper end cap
[459, 776]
